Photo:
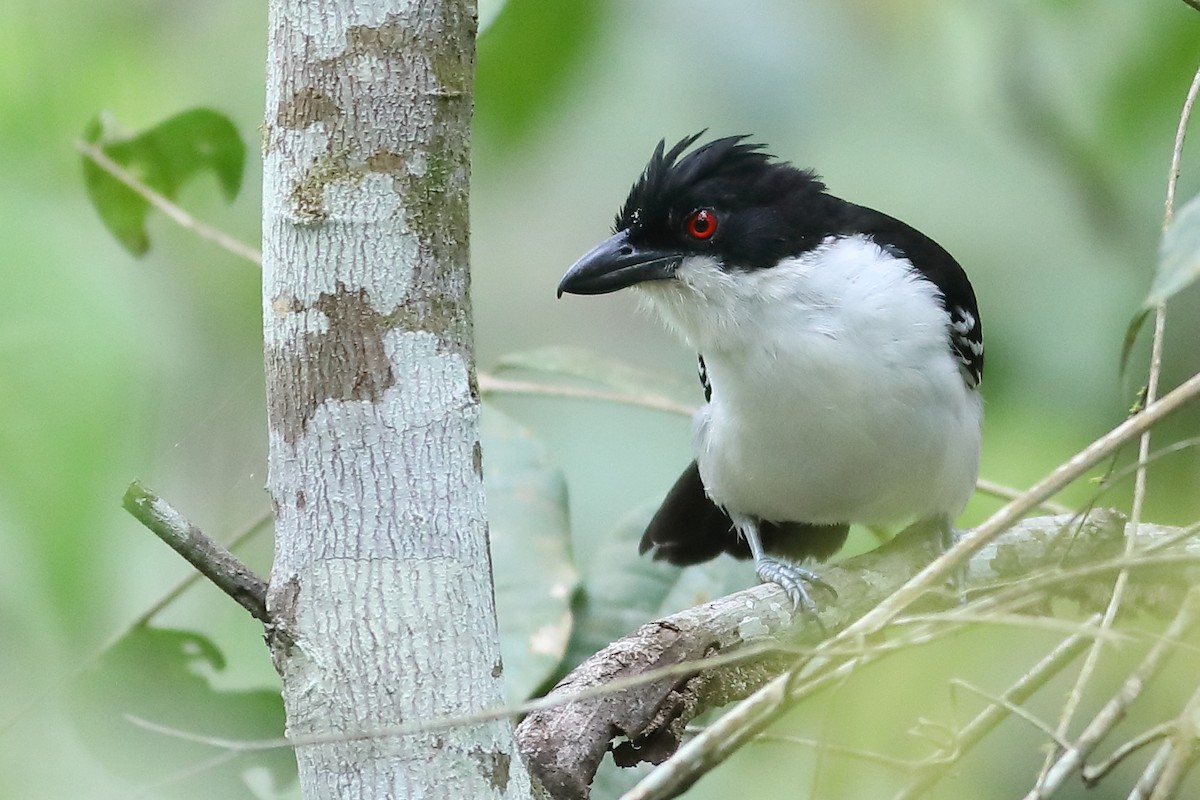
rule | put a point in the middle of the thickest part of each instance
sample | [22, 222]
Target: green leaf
[161, 676]
[580, 364]
[623, 589]
[528, 57]
[1178, 267]
[1178, 255]
[163, 158]
[530, 539]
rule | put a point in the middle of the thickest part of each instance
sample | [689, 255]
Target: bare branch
[1008, 493]
[1012, 708]
[490, 384]
[1179, 757]
[1150, 775]
[1070, 760]
[935, 767]
[213, 560]
[881, 759]
[1093, 774]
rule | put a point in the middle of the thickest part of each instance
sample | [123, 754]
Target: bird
[840, 353]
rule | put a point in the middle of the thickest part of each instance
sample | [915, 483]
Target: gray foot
[948, 535]
[793, 579]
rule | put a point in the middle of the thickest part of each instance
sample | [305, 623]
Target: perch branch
[213, 560]
[564, 744]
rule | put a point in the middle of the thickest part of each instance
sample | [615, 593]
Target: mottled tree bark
[381, 593]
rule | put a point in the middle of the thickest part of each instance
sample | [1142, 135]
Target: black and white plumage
[840, 354]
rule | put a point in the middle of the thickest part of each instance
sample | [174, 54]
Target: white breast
[835, 395]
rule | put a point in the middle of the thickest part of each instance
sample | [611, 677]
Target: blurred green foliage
[1031, 138]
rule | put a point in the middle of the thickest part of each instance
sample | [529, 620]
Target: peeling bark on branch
[565, 744]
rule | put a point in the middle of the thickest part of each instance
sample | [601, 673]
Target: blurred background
[1031, 138]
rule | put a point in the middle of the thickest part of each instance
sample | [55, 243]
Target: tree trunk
[381, 588]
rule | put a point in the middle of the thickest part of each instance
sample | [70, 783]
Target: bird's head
[726, 205]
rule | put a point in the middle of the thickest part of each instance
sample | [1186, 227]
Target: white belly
[835, 397]
[833, 449]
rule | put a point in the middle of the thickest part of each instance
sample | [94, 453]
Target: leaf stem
[180, 217]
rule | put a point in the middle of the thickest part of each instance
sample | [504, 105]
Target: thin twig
[449, 722]
[1179, 757]
[1012, 708]
[881, 759]
[1153, 771]
[163, 204]
[1008, 493]
[213, 560]
[1118, 475]
[155, 788]
[1182, 746]
[1114, 710]
[1092, 774]
[1075, 696]
[748, 717]
[491, 384]
[1026, 621]
[985, 722]
[188, 582]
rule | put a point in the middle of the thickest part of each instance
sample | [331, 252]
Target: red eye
[702, 224]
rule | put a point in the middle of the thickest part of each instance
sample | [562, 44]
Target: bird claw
[795, 580]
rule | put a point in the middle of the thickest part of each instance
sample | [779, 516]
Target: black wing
[690, 528]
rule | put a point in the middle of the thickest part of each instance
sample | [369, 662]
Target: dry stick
[1012, 708]
[1008, 493]
[986, 721]
[749, 716]
[1075, 697]
[883, 760]
[188, 582]
[1093, 774]
[1179, 757]
[1181, 753]
[213, 560]
[180, 217]
[1150, 775]
[491, 384]
[1114, 710]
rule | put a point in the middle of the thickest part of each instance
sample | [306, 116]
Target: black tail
[690, 528]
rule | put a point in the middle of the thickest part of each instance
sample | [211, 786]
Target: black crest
[766, 209]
